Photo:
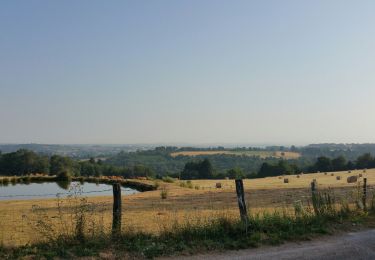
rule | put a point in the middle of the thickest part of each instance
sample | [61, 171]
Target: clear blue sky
[198, 71]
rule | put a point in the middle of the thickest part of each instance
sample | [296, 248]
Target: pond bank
[140, 185]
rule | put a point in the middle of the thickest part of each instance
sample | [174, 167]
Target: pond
[52, 190]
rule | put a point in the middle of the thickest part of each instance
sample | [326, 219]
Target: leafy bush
[186, 184]
[168, 179]
[163, 194]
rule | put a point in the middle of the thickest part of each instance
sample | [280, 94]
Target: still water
[52, 190]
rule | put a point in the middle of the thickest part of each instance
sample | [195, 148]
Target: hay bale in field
[349, 171]
[338, 178]
[218, 185]
[364, 170]
[360, 175]
[298, 176]
[352, 179]
[280, 177]
[286, 180]
[332, 174]
[325, 173]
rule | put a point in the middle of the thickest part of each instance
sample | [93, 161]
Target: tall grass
[80, 233]
[221, 233]
[76, 219]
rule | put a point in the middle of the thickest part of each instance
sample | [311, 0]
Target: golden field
[261, 154]
[148, 212]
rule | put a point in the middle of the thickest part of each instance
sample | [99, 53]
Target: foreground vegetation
[189, 238]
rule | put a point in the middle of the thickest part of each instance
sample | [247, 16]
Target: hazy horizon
[198, 72]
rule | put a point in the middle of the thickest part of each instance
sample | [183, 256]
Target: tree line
[203, 169]
[25, 162]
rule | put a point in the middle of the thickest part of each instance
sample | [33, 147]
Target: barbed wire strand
[52, 194]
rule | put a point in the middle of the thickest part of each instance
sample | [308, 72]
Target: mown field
[23, 221]
[261, 154]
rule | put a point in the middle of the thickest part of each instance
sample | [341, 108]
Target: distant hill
[350, 151]
[75, 151]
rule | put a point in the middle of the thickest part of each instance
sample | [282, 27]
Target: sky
[197, 71]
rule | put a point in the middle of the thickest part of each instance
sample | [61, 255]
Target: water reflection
[64, 184]
[51, 189]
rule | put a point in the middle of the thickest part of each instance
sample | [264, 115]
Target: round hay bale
[338, 178]
[332, 174]
[298, 176]
[364, 170]
[218, 185]
[349, 171]
[325, 173]
[352, 179]
[286, 180]
[360, 175]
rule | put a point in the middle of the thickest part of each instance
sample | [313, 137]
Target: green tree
[365, 161]
[235, 173]
[339, 164]
[323, 164]
[206, 170]
[60, 164]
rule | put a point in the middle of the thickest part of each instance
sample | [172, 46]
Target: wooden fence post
[116, 223]
[241, 200]
[313, 197]
[364, 198]
[313, 187]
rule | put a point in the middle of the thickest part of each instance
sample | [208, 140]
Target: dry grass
[294, 182]
[261, 154]
[148, 212]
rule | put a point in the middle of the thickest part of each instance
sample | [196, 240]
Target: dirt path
[358, 245]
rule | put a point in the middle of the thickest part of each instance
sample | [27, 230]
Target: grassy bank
[140, 185]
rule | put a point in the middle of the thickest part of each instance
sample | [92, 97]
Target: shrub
[64, 176]
[168, 179]
[5, 181]
[13, 180]
[26, 179]
[186, 184]
[163, 194]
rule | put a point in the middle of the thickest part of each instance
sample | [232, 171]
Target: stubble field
[22, 221]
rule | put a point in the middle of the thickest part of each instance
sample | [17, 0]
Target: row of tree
[25, 162]
[203, 169]
[322, 164]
